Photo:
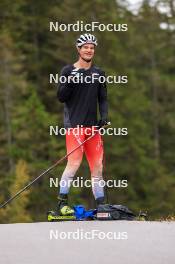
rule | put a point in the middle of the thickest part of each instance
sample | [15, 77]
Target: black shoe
[100, 200]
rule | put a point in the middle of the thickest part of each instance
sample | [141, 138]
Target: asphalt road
[121, 242]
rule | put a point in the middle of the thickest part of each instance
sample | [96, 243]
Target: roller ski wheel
[53, 216]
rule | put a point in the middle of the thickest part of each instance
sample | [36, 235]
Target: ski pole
[48, 170]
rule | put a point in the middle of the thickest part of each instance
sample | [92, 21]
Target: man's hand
[76, 74]
[102, 123]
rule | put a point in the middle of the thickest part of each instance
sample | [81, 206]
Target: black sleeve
[65, 88]
[102, 99]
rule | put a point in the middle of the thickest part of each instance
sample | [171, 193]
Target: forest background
[29, 52]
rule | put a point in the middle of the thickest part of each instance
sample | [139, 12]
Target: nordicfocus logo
[80, 182]
[81, 234]
[89, 131]
[78, 77]
[80, 26]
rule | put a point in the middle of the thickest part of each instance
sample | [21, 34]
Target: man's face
[86, 52]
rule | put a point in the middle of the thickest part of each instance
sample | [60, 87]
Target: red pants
[93, 150]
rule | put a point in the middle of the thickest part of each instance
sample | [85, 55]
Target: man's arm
[65, 88]
[102, 99]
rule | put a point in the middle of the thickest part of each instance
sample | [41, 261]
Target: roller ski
[143, 216]
[53, 216]
[63, 211]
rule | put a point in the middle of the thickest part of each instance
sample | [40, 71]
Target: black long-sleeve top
[81, 99]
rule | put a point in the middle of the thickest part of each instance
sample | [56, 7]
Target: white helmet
[86, 38]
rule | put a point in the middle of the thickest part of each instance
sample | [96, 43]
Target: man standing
[81, 94]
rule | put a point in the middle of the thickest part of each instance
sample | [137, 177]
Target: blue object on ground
[82, 214]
